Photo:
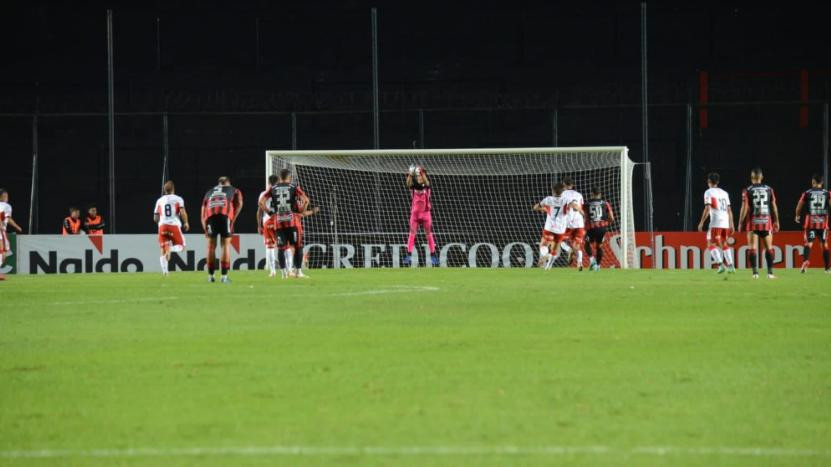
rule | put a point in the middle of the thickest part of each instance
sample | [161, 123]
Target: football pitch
[417, 367]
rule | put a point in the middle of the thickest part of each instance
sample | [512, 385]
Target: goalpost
[481, 202]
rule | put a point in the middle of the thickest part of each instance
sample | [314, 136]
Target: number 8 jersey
[168, 207]
[758, 199]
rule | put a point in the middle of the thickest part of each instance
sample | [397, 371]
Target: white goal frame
[625, 216]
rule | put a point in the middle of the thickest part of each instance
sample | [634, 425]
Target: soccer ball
[413, 170]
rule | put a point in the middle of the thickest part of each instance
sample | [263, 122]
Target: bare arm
[184, 215]
[799, 207]
[311, 212]
[409, 180]
[14, 224]
[775, 212]
[539, 208]
[155, 218]
[742, 215]
[202, 216]
[730, 217]
[704, 216]
[426, 180]
[237, 207]
[260, 217]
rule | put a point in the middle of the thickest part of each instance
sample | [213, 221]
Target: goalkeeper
[420, 212]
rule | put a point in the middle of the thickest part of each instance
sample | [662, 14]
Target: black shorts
[287, 236]
[218, 224]
[760, 233]
[815, 234]
[596, 234]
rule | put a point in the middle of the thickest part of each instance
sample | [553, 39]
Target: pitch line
[388, 290]
[119, 300]
[319, 451]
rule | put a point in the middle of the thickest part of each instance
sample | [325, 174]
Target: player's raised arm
[423, 173]
[799, 206]
[409, 179]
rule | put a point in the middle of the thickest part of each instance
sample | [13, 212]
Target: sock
[728, 256]
[431, 242]
[551, 261]
[753, 261]
[411, 241]
[806, 252]
[769, 260]
[715, 255]
[225, 267]
[579, 257]
[163, 262]
[599, 254]
[543, 251]
[298, 258]
[589, 249]
[289, 259]
[281, 257]
[211, 267]
[825, 257]
[269, 259]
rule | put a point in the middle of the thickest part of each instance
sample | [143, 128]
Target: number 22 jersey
[758, 199]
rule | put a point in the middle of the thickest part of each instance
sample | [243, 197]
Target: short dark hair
[73, 209]
[756, 172]
[713, 177]
[558, 188]
[597, 191]
[285, 174]
[272, 179]
[568, 181]
[817, 177]
[169, 187]
[223, 179]
[3, 191]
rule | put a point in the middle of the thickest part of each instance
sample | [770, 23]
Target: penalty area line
[416, 451]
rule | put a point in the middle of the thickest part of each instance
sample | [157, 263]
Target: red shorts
[718, 235]
[269, 234]
[553, 237]
[576, 234]
[172, 234]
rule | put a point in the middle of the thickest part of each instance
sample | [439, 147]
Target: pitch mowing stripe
[415, 451]
[119, 300]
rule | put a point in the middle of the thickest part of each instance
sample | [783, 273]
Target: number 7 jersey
[167, 208]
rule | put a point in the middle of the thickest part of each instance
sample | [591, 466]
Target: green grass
[467, 358]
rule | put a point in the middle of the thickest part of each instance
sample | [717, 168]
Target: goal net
[481, 203]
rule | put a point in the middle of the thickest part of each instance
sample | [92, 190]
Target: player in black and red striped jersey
[815, 203]
[220, 208]
[760, 216]
[288, 199]
[601, 216]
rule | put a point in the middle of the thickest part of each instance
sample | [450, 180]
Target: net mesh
[481, 203]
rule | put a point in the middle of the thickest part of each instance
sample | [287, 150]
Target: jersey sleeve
[547, 201]
[158, 208]
[181, 202]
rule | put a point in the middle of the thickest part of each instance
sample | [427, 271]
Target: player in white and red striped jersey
[576, 232]
[265, 226]
[5, 221]
[171, 216]
[556, 221]
[815, 202]
[717, 208]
